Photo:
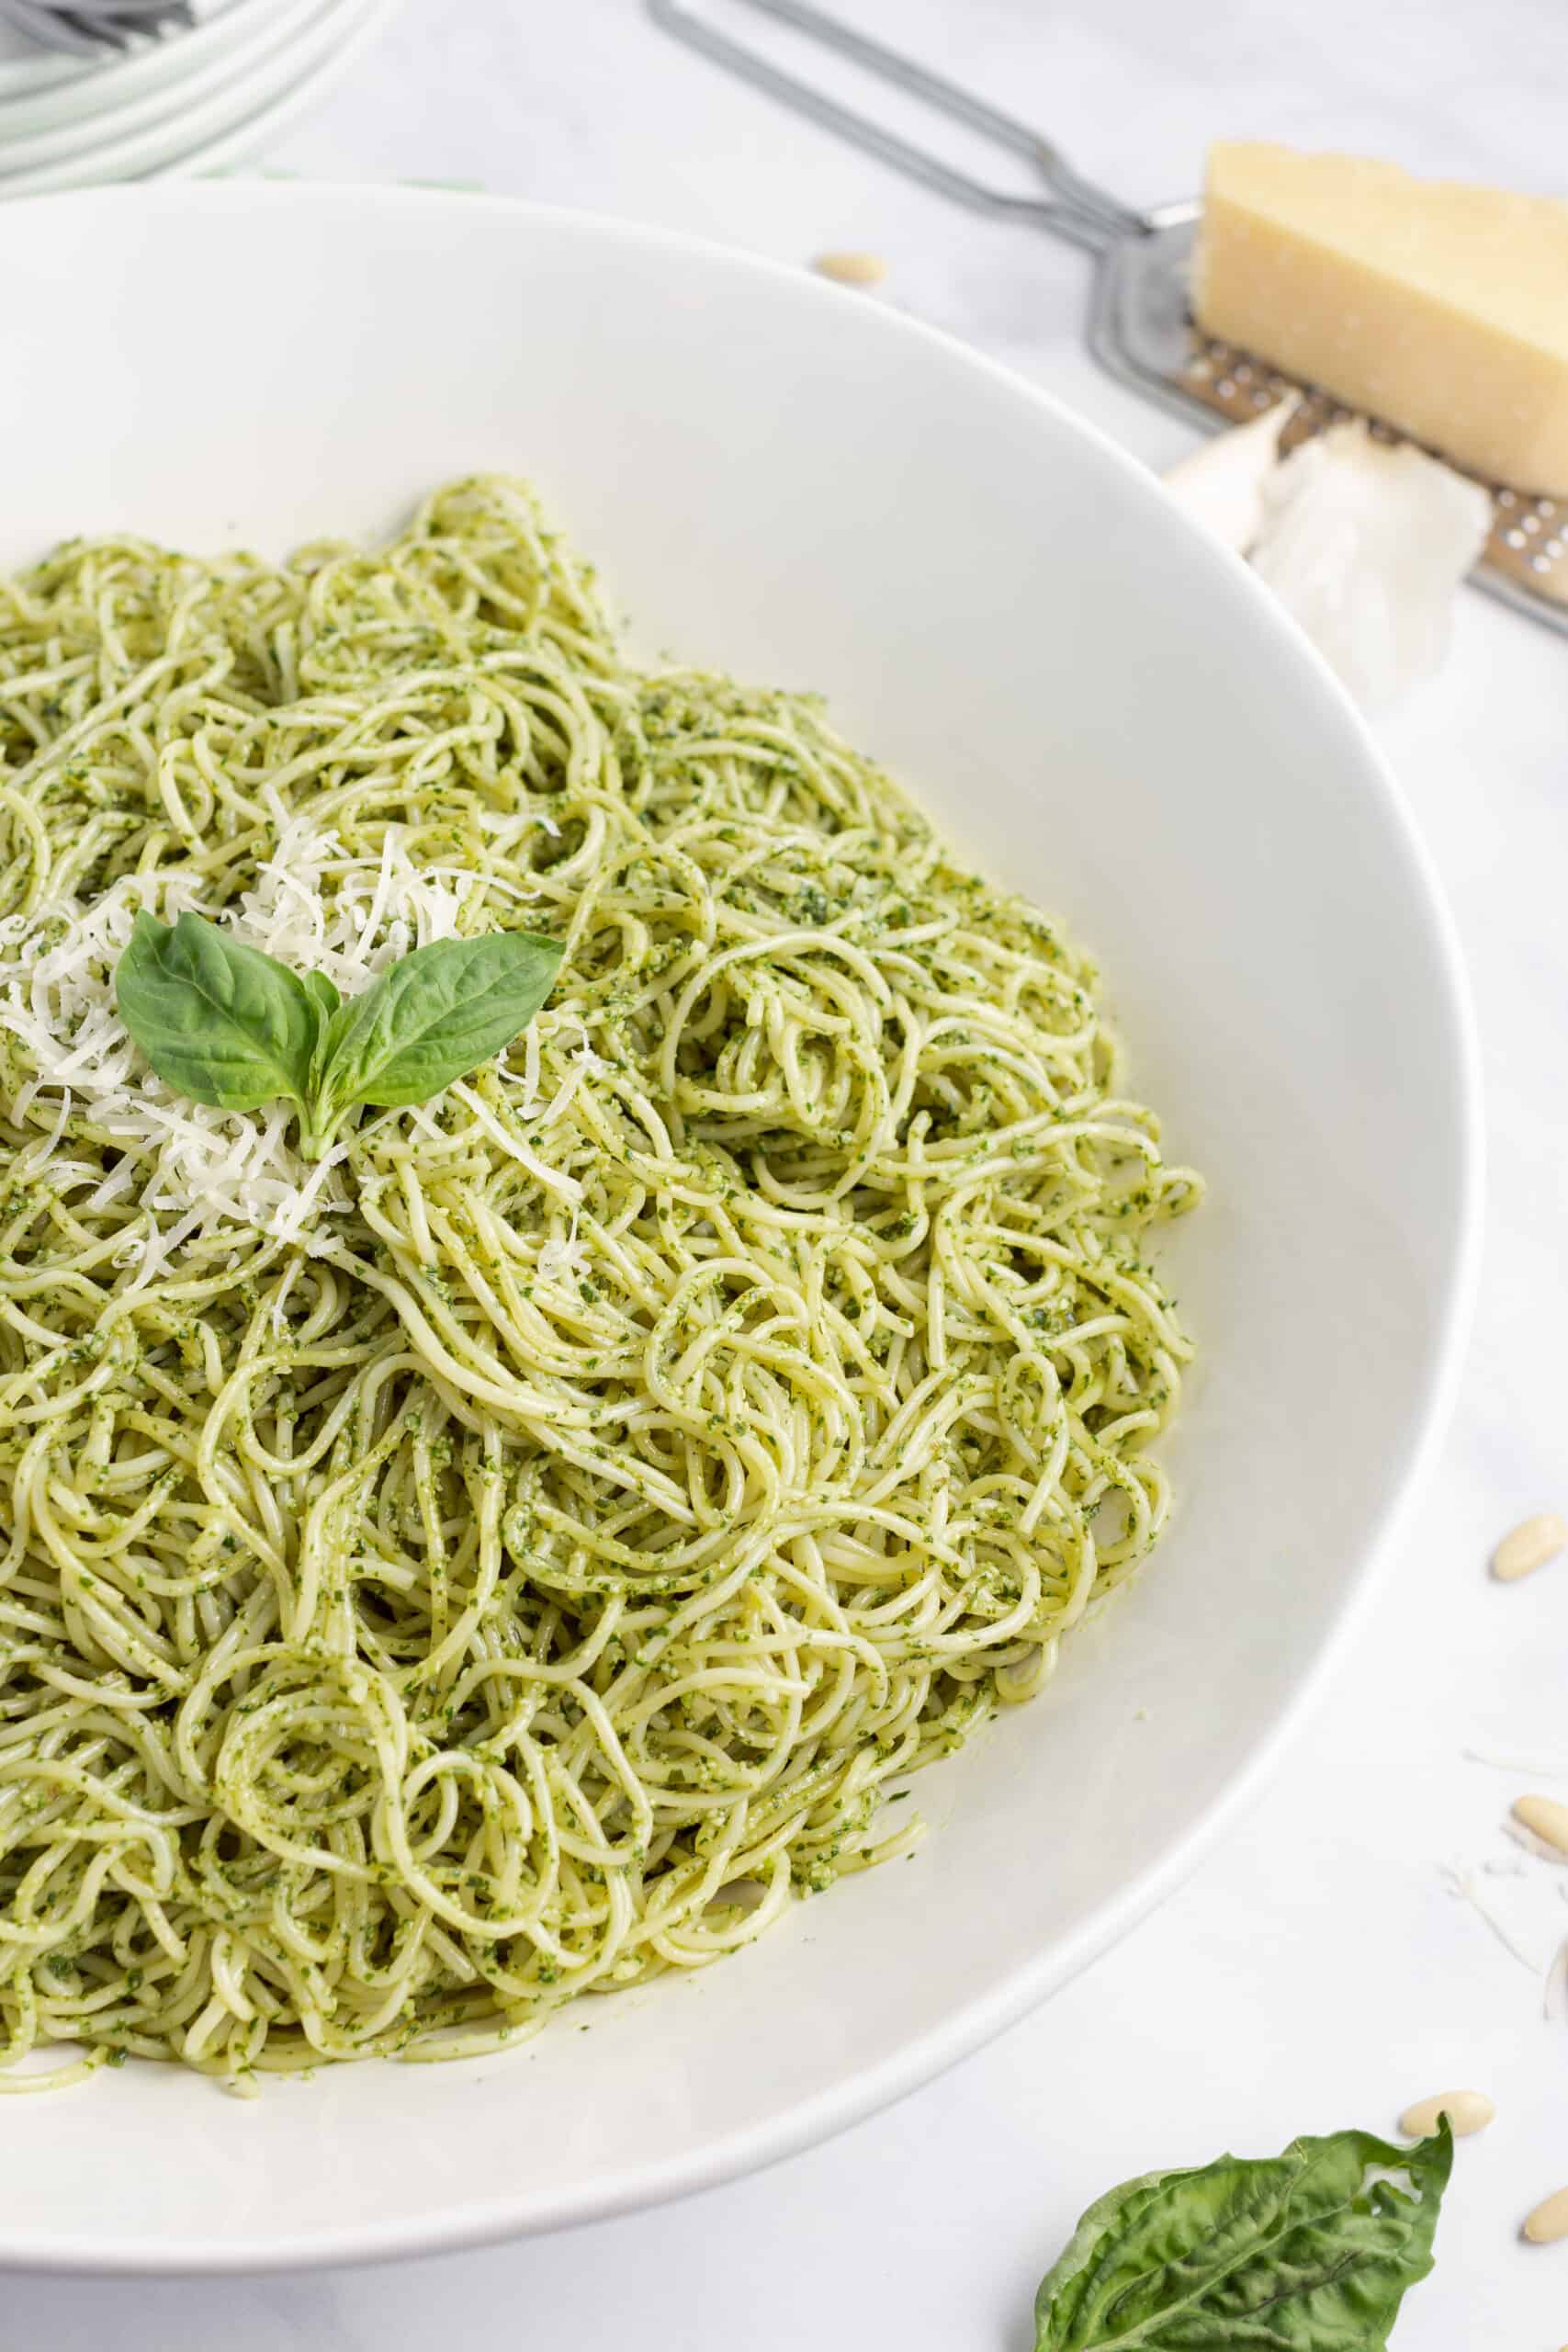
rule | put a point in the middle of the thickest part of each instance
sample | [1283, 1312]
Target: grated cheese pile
[313, 907]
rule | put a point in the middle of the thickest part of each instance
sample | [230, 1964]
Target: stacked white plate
[194, 100]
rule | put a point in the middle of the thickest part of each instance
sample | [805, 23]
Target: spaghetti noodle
[512, 1556]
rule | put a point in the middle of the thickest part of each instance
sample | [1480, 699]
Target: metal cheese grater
[1140, 324]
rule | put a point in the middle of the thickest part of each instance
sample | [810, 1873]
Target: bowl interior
[798, 485]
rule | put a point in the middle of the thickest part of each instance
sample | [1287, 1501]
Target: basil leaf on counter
[219, 1020]
[1309, 2252]
[435, 1016]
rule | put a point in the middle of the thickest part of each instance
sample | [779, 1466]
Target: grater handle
[1074, 208]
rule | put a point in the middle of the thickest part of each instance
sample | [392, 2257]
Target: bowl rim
[452, 2228]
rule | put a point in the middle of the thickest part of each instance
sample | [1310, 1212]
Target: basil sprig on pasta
[231, 1026]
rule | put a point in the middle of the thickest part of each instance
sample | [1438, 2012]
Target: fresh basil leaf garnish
[436, 1015]
[219, 1020]
[231, 1026]
[1310, 2251]
[324, 992]
[326, 998]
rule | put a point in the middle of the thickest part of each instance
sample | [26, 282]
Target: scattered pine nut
[1530, 1546]
[870, 269]
[1545, 1818]
[1467, 2111]
[1550, 2220]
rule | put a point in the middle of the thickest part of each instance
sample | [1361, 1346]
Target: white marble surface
[1317, 1970]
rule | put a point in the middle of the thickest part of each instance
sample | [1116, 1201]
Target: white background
[1318, 1970]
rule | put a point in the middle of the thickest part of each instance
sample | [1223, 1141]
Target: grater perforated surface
[1144, 332]
[1141, 326]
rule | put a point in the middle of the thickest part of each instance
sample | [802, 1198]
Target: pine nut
[866, 269]
[1530, 1546]
[1550, 2220]
[1545, 1818]
[1467, 2111]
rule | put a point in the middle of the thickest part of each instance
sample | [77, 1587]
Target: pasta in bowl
[505, 1554]
[1107, 721]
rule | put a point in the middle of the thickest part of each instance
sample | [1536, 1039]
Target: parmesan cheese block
[1440, 306]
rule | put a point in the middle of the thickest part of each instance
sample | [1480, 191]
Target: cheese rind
[1440, 306]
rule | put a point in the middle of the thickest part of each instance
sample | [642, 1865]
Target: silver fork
[93, 27]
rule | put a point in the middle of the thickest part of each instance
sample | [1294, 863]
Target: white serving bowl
[800, 485]
[314, 70]
[142, 90]
[41, 91]
[219, 109]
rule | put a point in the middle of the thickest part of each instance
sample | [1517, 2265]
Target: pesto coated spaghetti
[507, 1558]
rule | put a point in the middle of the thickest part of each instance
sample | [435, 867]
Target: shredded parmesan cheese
[313, 907]
[1461, 1883]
